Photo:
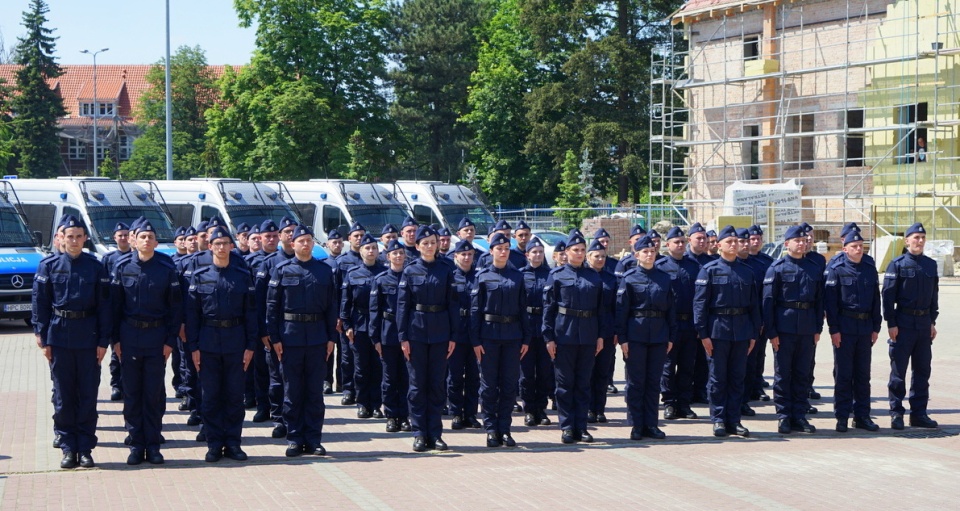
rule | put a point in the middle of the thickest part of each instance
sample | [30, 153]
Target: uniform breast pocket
[849, 289]
[720, 280]
[206, 293]
[788, 277]
[60, 283]
[907, 273]
[568, 290]
[416, 282]
[293, 295]
[129, 283]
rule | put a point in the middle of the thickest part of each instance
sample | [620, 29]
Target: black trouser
[727, 368]
[574, 367]
[602, 376]
[499, 374]
[221, 378]
[536, 376]
[646, 362]
[76, 377]
[427, 368]
[463, 381]
[303, 370]
[676, 380]
[791, 382]
[851, 376]
[143, 396]
[368, 372]
[396, 382]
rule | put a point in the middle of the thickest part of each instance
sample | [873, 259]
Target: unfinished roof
[697, 10]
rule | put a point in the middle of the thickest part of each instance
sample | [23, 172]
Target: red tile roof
[124, 84]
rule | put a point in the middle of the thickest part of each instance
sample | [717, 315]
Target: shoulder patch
[702, 282]
[41, 278]
[273, 283]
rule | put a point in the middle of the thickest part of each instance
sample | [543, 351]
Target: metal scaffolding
[840, 95]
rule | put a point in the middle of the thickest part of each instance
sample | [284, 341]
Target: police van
[100, 202]
[195, 200]
[434, 202]
[329, 204]
[19, 257]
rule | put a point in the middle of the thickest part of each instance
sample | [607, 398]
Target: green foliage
[6, 129]
[193, 92]
[575, 190]
[37, 106]
[434, 44]
[506, 69]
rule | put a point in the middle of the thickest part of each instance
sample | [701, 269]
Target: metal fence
[550, 219]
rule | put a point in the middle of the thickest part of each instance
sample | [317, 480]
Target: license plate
[17, 307]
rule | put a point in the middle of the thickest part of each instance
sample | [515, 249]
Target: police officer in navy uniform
[486, 258]
[760, 262]
[346, 262]
[72, 322]
[427, 316]
[821, 263]
[910, 307]
[408, 235]
[334, 248]
[221, 327]
[354, 313]
[610, 263]
[267, 405]
[444, 237]
[148, 310]
[275, 391]
[712, 244]
[501, 337]
[388, 233]
[602, 374]
[852, 304]
[574, 326]
[121, 235]
[467, 230]
[536, 367]
[697, 245]
[676, 380]
[628, 261]
[793, 319]
[743, 254]
[847, 227]
[463, 375]
[302, 325]
[243, 237]
[518, 254]
[645, 325]
[383, 334]
[726, 314]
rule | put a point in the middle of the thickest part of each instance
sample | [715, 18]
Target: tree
[38, 107]
[597, 56]
[434, 45]
[193, 91]
[326, 56]
[6, 129]
[507, 69]
[576, 189]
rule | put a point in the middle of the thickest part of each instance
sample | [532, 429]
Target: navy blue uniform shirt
[793, 297]
[911, 285]
[580, 290]
[498, 306]
[431, 288]
[383, 308]
[726, 285]
[464, 281]
[221, 294]
[76, 285]
[146, 292]
[683, 274]
[355, 296]
[852, 287]
[645, 306]
[534, 280]
[302, 287]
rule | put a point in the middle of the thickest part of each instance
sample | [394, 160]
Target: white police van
[99, 202]
[328, 204]
[19, 257]
[435, 202]
[198, 199]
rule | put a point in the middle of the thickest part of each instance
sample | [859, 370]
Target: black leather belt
[575, 313]
[647, 313]
[389, 315]
[431, 308]
[65, 314]
[914, 312]
[143, 324]
[684, 317]
[797, 305]
[855, 315]
[464, 313]
[303, 318]
[222, 323]
[494, 318]
[535, 310]
[730, 311]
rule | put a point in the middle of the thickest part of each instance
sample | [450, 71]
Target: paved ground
[370, 469]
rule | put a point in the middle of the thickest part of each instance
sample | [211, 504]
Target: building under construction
[858, 101]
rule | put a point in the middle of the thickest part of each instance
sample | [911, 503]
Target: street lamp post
[96, 108]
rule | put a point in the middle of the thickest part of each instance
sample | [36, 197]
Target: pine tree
[576, 186]
[37, 107]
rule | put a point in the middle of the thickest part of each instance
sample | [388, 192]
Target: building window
[76, 149]
[751, 47]
[911, 141]
[106, 109]
[854, 141]
[124, 147]
[800, 149]
[751, 152]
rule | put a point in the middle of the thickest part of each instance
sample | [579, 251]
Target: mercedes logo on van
[16, 281]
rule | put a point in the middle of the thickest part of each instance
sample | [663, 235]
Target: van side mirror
[38, 238]
[89, 246]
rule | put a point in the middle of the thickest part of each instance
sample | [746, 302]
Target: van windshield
[478, 214]
[373, 218]
[13, 233]
[104, 218]
[255, 215]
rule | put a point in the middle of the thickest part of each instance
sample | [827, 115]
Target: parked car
[549, 239]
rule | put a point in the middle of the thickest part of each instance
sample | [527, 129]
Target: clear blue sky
[134, 30]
